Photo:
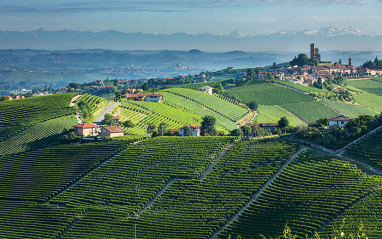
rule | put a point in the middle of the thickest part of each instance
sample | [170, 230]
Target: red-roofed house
[112, 131]
[116, 118]
[136, 97]
[195, 130]
[86, 129]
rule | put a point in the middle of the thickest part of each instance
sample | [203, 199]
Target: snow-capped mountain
[326, 31]
[236, 33]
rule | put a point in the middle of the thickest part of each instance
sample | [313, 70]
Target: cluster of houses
[93, 130]
[16, 97]
[133, 94]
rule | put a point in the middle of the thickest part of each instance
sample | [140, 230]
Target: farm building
[86, 129]
[269, 126]
[154, 97]
[207, 89]
[112, 131]
[339, 120]
[136, 97]
[195, 130]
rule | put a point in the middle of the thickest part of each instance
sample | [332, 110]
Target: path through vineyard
[257, 194]
[107, 110]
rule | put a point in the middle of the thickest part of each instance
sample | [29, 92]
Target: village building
[207, 89]
[86, 129]
[195, 130]
[63, 89]
[130, 91]
[112, 131]
[154, 97]
[339, 120]
[136, 97]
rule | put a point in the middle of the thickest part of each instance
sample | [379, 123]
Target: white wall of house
[153, 98]
[337, 123]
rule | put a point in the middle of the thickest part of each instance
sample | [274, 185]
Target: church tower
[349, 61]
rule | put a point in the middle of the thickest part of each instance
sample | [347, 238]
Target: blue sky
[250, 17]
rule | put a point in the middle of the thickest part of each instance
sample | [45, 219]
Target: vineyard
[198, 109]
[369, 148]
[273, 113]
[349, 109]
[310, 111]
[143, 113]
[228, 109]
[366, 212]
[189, 208]
[18, 115]
[40, 174]
[92, 100]
[369, 100]
[37, 136]
[268, 94]
[307, 194]
[372, 86]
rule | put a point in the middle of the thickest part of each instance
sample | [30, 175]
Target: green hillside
[18, 115]
[373, 85]
[307, 194]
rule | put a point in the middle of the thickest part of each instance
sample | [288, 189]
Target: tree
[250, 74]
[246, 130]
[301, 60]
[4, 98]
[145, 87]
[252, 105]
[108, 120]
[74, 86]
[208, 125]
[128, 124]
[163, 127]
[235, 132]
[86, 110]
[187, 131]
[283, 122]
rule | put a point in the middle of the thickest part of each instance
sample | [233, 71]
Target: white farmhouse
[207, 89]
[339, 120]
[154, 97]
[195, 130]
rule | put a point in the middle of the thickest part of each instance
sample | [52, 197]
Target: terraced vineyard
[18, 115]
[231, 111]
[366, 212]
[92, 100]
[307, 194]
[369, 100]
[189, 208]
[198, 109]
[40, 174]
[36, 136]
[369, 148]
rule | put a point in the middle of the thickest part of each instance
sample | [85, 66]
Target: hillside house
[207, 89]
[130, 91]
[116, 118]
[86, 129]
[195, 130]
[154, 97]
[112, 131]
[136, 97]
[339, 120]
[63, 89]
[9, 97]
[269, 126]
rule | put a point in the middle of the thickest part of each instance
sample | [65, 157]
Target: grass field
[349, 109]
[310, 111]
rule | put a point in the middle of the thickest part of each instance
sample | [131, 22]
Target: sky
[249, 17]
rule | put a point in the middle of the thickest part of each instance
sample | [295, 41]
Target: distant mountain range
[328, 38]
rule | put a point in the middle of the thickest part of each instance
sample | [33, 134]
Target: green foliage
[310, 111]
[128, 124]
[18, 115]
[305, 195]
[145, 87]
[250, 75]
[373, 64]
[108, 120]
[271, 114]
[351, 110]
[4, 98]
[300, 60]
[283, 122]
[252, 105]
[208, 126]
[246, 130]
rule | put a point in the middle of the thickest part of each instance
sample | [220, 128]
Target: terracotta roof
[114, 129]
[340, 118]
[193, 126]
[154, 94]
[116, 117]
[269, 124]
[86, 126]
[173, 130]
